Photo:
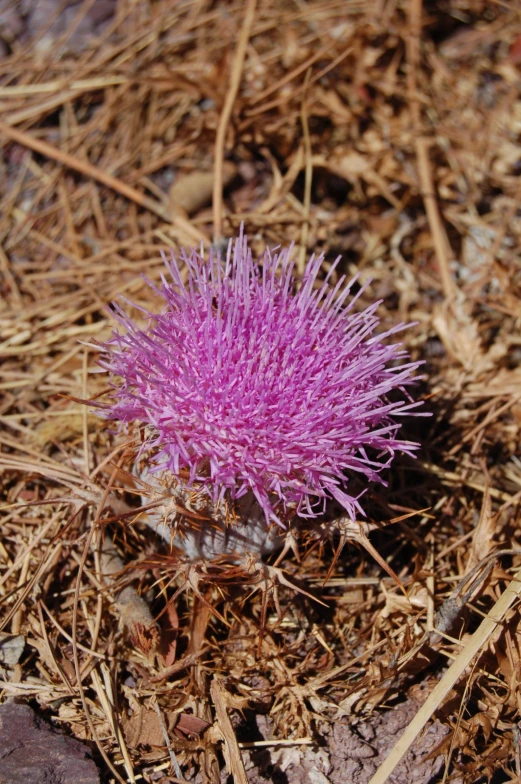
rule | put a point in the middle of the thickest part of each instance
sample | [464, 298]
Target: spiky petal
[246, 385]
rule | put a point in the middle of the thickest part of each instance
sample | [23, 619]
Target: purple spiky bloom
[247, 386]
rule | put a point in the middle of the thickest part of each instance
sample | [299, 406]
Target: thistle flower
[250, 389]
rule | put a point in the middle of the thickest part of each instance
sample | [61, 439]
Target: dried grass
[408, 120]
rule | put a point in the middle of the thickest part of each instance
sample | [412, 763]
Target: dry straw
[408, 126]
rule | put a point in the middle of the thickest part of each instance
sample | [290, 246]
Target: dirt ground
[387, 132]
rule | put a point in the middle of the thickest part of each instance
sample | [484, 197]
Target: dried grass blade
[476, 643]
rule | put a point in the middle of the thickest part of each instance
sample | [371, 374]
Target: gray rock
[31, 752]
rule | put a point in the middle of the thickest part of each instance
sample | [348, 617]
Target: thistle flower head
[246, 385]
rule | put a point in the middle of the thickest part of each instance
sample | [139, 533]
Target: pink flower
[244, 384]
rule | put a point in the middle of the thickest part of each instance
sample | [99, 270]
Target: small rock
[11, 649]
[31, 752]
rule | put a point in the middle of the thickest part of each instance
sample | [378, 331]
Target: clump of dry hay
[387, 133]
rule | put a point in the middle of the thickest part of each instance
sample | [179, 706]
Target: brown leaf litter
[384, 132]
